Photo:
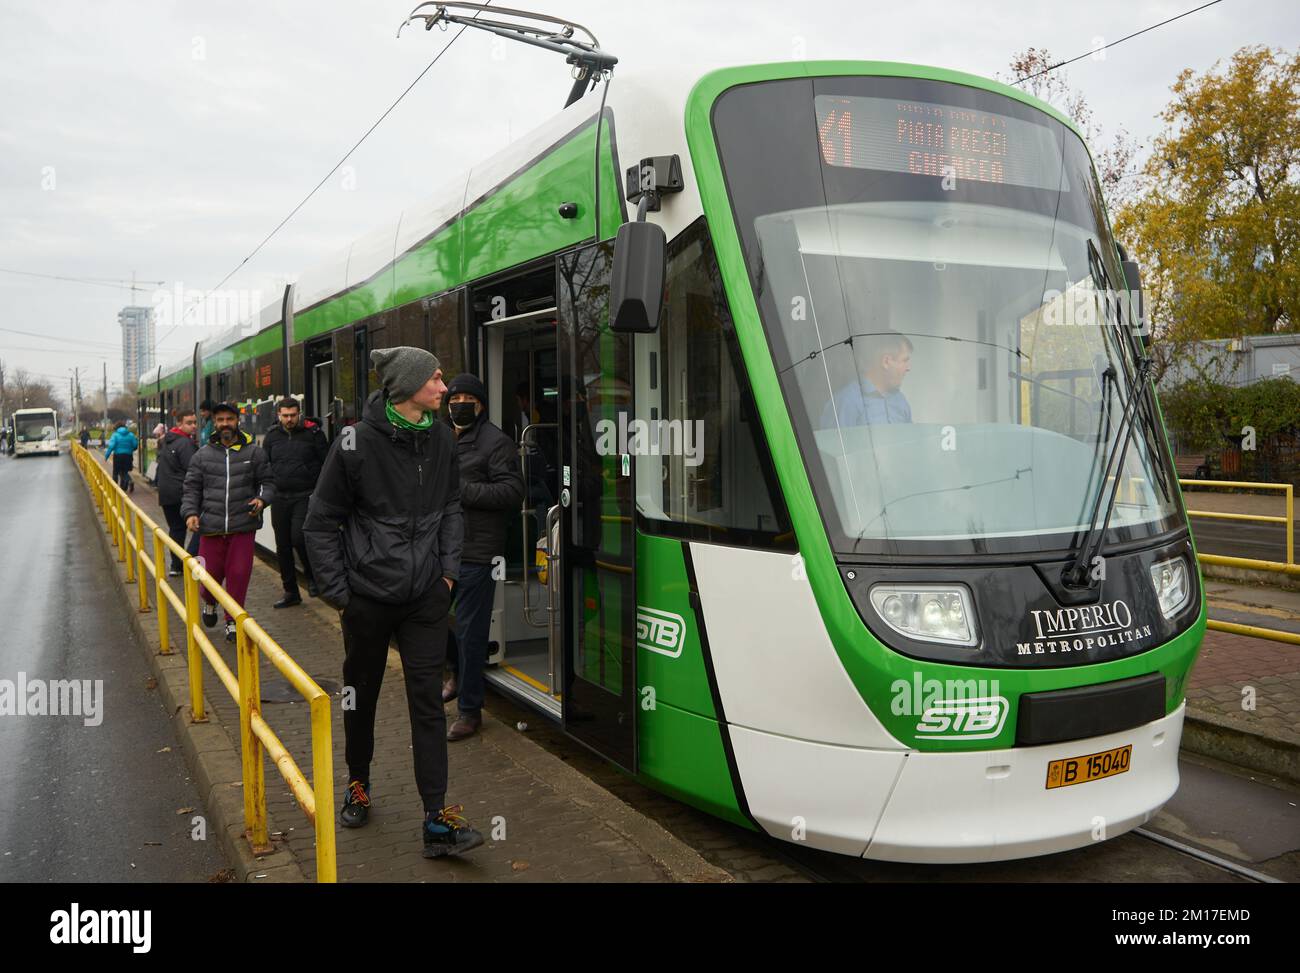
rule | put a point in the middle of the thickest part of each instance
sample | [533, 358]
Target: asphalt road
[83, 798]
[1239, 538]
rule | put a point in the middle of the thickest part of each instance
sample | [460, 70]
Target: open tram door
[596, 511]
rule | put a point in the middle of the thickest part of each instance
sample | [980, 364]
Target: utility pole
[105, 399]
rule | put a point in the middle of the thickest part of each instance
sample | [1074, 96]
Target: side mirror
[636, 290]
[1133, 280]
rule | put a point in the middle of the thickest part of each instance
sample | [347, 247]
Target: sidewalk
[1243, 695]
[542, 820]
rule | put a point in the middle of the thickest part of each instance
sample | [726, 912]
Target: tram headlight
[932, 613]
[1169, 578]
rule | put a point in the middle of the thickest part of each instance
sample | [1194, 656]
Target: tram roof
[648, 111]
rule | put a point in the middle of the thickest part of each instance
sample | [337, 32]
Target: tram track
[824, 867]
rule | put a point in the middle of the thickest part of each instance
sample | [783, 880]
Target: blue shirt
[860, 404]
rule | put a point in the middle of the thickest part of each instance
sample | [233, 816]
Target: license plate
[1093, 766]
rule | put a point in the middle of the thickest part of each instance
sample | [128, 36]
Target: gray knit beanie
[404, 370]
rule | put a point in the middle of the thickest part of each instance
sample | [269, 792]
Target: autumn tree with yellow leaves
[1216, 222]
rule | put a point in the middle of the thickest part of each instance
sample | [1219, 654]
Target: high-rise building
[137, 342]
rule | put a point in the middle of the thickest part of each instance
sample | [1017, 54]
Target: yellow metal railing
[1288, 520]
[1288, 567]
[128, 524]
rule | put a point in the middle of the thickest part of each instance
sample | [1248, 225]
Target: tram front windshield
[940, 291]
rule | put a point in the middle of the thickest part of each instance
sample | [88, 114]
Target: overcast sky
[167, 139]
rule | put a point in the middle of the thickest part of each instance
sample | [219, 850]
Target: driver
[884, 358]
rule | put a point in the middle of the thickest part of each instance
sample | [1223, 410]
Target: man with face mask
[226, 486]
[491, 488]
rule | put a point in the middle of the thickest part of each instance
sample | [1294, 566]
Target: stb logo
[660, 631]
[964, 719]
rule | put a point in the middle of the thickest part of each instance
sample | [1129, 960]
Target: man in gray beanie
[384, 533]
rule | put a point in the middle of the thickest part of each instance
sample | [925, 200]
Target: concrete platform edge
[1212, 735]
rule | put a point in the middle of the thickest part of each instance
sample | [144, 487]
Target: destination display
[927, 139]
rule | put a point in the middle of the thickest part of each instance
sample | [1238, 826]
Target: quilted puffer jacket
[222, 480]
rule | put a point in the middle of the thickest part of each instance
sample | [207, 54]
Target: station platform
[551, 823]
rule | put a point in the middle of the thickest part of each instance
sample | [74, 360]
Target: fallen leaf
[184, 810]
[519, 866]
[151, 683]
[164, 750]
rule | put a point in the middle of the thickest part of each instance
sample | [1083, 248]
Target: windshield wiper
[1077, 574]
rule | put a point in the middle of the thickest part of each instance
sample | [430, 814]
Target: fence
[128, 525]
[1289, 567]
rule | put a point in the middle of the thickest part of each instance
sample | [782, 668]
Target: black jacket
[296, 458]
[491, 487]
[174, 455]
[222, 480]
[385, 519]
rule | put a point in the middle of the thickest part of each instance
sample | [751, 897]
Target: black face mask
[462, 413]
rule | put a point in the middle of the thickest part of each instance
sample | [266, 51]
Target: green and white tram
[872, 540]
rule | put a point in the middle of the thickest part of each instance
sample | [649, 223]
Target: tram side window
[445, 339]
[713, 478]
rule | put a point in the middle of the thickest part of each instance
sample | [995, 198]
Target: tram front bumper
[977, 806]
[995, 805]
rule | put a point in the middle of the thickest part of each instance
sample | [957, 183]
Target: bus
[36, 431]
[851, 514]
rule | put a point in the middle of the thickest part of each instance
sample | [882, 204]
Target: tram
[844, 523]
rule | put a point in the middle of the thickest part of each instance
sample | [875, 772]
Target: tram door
[597, 511]
[319, 359]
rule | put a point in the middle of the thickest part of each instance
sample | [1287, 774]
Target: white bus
[35, 431]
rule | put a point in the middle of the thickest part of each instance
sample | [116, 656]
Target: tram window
[713, 476]
[445, 332]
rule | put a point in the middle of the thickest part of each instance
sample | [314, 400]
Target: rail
[127, 524]
[1288, 520]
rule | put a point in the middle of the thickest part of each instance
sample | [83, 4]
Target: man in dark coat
[384, 534]
[174, 454]
[491, 488]
[227, 485]
[296, 449]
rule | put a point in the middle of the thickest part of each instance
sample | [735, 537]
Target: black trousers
[421, 630]
[176, 530]
[287, 515]
[122, 463]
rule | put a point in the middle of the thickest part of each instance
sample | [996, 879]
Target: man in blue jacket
[121, 448]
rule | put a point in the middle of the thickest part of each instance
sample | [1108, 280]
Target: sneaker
[356, 805]
[230, 632]
[209, 615]
[447, 833]
[173, 572]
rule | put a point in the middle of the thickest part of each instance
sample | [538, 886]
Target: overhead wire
[324, 179]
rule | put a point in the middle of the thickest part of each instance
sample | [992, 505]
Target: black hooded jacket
[174, 457]
[296, 458]
[491, 486]
[385, 519]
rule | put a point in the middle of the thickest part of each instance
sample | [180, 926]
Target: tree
[1116, 159]
[22, 390]
[1215, 226]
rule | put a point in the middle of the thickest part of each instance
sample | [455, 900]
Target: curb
[213, 760]
[1214, 735]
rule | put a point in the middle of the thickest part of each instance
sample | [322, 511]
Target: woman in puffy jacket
[121, 447]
